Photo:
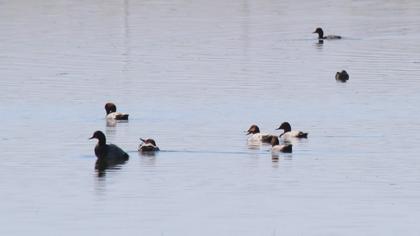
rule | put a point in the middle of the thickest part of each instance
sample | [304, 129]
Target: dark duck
[321, 35]
[342, 76]
[108, 154]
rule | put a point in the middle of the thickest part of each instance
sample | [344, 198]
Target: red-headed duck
[111, 112]
[256, 136]
[148, 145]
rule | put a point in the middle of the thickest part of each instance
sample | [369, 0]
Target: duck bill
[143, 140]
[91, 137]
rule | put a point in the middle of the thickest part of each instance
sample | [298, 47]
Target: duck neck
[321, 35]
[101, 141]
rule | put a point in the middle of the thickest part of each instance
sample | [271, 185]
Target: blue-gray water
[195, 75]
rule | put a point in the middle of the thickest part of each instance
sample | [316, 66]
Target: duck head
[320, 32]
[285, 126]
[99, 136]
[148, 141]
[110, 107]
[253, 130]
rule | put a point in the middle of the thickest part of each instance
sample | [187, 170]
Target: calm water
[195, 75]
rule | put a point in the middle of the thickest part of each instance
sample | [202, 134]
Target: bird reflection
[102, 167]
[320, 43]
[275, 157]
[254, 146]
[113, 123]
[275, 163]
[148, 158]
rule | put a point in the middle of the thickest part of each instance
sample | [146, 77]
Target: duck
[107, 154]
[148, 145]
[257, 136]
[289, 133]
[342, 76]
[111, 112]
[321, 36]
[276, 147]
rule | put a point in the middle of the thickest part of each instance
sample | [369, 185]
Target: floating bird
[257, 136]
[107, 154]
[321, 36]
[276, 147]
[111, 112]
[342, 76]
[288, 133]
[148, 145]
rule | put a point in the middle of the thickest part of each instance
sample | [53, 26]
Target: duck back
[342, 76]
[294, 134]
[148, 147]
[111, 154]
[117, 116]
[287, 148]
[332, 37]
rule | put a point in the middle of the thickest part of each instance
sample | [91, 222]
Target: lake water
[194, 75]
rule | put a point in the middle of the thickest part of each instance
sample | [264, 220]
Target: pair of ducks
[342, 76]
[110, 154]
[148, 145]
[288, 134]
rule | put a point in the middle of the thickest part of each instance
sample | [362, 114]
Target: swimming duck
[342, 76]
[111, 112]
[107, 154]
[321, 36]
[257, 136]
[276, 147]
[288, 133]
[148, 145]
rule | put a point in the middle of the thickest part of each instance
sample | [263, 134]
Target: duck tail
[122, 117]
[303, 135]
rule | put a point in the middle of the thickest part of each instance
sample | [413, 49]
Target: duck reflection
[113, 123]
[320, 43]
[102, 168]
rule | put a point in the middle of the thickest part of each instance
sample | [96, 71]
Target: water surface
[195, 75]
